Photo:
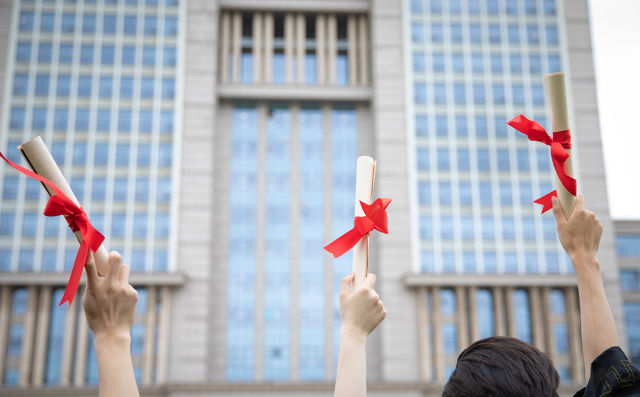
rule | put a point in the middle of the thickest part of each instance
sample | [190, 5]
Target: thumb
[345, 284]
[92, 271]
[369, 281]
[557, 211]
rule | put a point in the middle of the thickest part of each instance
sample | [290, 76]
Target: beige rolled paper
[365, 175]
[41, 162]
[556, 92]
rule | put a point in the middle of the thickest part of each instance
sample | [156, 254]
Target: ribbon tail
[545, 201]
[76, 274]
[344, 243]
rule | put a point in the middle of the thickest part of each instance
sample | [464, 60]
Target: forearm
[115, 368]
[351, 379]
[597, 323]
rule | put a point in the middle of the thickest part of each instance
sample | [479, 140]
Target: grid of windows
[105, 104]
[293, 143]
[475, 65]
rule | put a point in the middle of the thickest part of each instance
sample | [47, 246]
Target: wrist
[585, 262]
[112, 338]
[353, 334]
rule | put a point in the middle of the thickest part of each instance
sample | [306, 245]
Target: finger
[123, 275]
[580, 202]
[370, 281]
[345, 284]
[557, 211]
[114, 265]
[92, 271]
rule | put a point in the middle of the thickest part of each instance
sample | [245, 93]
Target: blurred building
[214, 143]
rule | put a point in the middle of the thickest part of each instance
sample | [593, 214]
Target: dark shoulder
[612, 374]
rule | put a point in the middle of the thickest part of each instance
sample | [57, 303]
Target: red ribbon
[77, 219]
[559, 144]
[375, 217]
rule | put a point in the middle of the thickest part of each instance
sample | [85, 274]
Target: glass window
[79, 157]
[440, 94]
[475, 33]
[469, 262]
[535, 64]
[149, 55]
[146, 120]
[508, 228]
[463, 159]
[448, 261]
[525, 193]
[631, 316]
[522, 315]
[500, 126]
[485, 193]
[42, 84]
[481, 126]
[109, 24]
[533, 36]
[498, 94]
[503, 160]
[84, 85]
[629, 280]
[483, 160]
[60, 119]
[23, 51]
[18, 115]
[140, 225]
[424, 193]
[124, 120]
[39, 121]
[522, 158]
[456, 33]
[20, 83]
[47, 22]
[86, 54]
[142, 189]
[89, 23]
[165, 154]
[551, 259]
[554, 63]
[511, 7]
[146, 90]
[417, 32]
[169, 59]
[150, 25]
[494, 34]
[478, 94]
[436, 33]
[435, 6]
[496, 63]
[108, 54]
[66, 53]
[459, 94]
[126, 87]
[487, 228]
[106, 87]
[417, 6]
[537, 94]
[443, 158]
[101, 156]
[130, 24]
[518, 94]
[457, 62]
[63, 88]
[162, 225]
[444, 193]
[103, 120]
[118, 224]
[473, 6]
[530, 7]
[492, 6]
[477, 63]
[82, 119]
[528, 228]
[427, 262]
[551, 33]
[426, 227]
[26, 21]
[120, 184]
[515, 63]
[628, 245]
[420, 125]
[129, 55]
[166, 121]
[466, 222]
[168, 84]
[44, 52]
[163, 192]
[549, 7]
[170, 26]
[68, 22]
[484, 312]
[446, 228]
[454, 7]
[442, 125]
[438, 62]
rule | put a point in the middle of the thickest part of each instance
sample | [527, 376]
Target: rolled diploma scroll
[41, 161]
[365, 175]
[557, 96]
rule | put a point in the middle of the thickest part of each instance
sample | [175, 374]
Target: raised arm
[361, 310]
[110, 306]
[580, 237]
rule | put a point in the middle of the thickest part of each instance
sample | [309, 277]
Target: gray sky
[615, 28]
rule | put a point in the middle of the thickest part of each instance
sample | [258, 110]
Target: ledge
[489, 280]
[55, 279]
[297, 92]
[360, 6]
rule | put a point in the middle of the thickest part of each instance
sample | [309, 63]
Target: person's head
[501, 366]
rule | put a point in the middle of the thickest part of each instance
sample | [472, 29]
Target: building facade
[628, 249]
[214, 143]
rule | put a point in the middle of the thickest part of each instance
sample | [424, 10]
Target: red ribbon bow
[375, 217]
[559, 144]
[77, 219]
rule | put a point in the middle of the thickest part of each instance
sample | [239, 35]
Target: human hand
[361, 309]
[109, 302]
[580, 234]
